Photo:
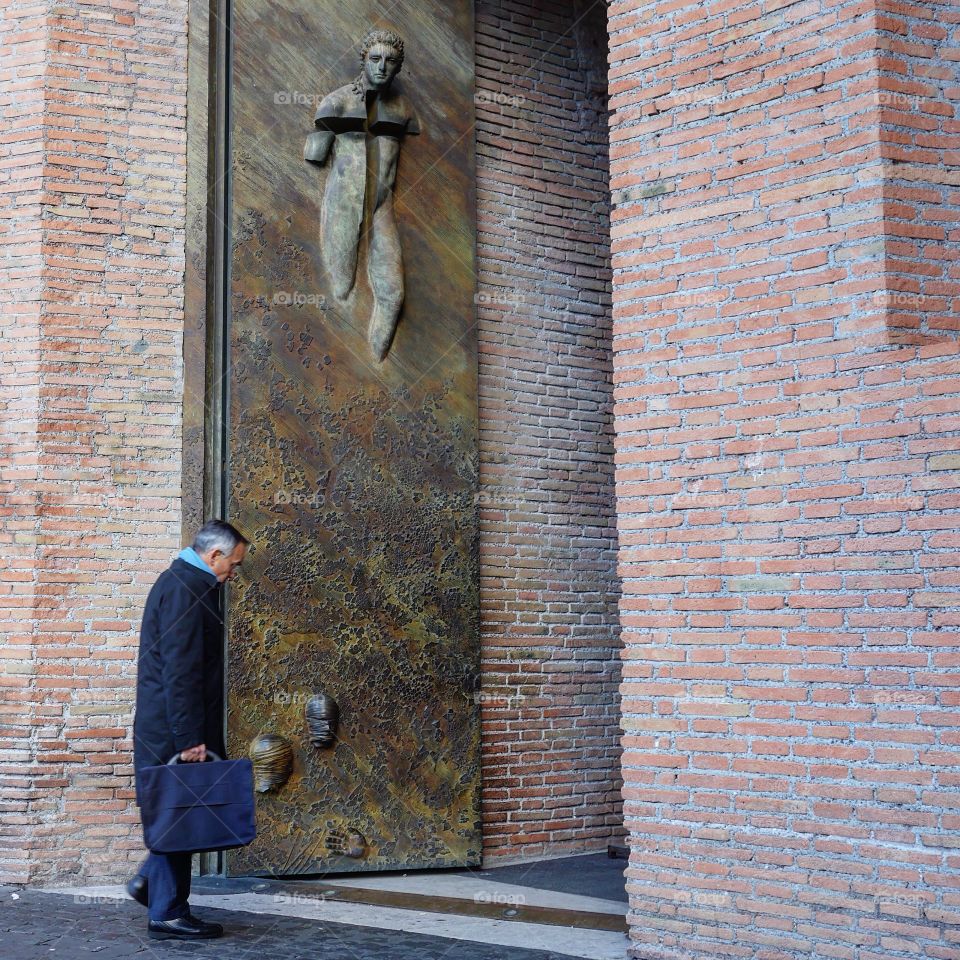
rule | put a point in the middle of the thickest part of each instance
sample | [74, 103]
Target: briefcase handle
[175, 759]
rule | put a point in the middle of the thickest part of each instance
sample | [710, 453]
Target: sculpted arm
[317, 147]
[329, 121]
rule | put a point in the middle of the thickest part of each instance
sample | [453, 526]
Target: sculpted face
[381, 65]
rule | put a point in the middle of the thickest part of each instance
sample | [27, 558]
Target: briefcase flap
[192, 780]
[207, 795]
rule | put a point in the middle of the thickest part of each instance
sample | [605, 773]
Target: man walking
[180, 703]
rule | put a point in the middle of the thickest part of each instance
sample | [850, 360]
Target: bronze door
[351, 433]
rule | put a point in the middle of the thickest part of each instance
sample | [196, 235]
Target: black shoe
[137, 888]
[184, 928]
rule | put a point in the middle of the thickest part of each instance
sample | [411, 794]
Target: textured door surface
[351, 434]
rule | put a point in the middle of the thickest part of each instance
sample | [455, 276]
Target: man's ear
[214, 553]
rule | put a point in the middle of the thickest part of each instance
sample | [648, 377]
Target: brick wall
[100, 90]
[785, 295]
[21, 169]
[549, 587]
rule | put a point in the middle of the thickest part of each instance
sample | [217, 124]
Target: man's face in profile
[226, 566]
[381, 65]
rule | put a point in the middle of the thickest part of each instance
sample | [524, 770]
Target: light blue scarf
[191, 556]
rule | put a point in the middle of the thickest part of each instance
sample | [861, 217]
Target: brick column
[786, 285]
[22, 71]
[93, 219]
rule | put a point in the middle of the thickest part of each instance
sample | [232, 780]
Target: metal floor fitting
[518, 913]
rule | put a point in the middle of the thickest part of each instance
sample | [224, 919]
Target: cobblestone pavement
[45, 926]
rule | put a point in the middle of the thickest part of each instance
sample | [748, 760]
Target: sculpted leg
[385, 271]
[342, 212]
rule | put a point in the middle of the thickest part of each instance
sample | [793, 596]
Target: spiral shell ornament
[272, 757]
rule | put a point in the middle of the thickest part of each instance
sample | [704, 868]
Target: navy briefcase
[192, 807]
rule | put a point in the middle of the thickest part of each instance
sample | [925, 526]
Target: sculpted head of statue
[382, 56]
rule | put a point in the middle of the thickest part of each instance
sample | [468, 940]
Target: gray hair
[218, 535]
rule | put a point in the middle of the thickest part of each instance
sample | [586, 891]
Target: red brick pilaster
[22, 73]
[786, 399]
[94, 139]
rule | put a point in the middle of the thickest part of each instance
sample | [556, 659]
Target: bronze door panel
[351, 430]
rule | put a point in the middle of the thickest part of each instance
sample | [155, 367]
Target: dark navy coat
[180, 668]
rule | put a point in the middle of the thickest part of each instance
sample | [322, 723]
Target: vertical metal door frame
[205, 491]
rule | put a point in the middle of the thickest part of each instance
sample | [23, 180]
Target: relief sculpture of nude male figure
[360, 127]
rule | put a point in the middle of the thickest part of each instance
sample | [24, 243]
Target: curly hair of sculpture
[386, 37]
[322, 716]
[272, 757]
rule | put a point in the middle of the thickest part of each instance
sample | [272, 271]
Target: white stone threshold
[565, 941]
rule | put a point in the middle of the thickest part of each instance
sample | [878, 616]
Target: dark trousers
[168, 884]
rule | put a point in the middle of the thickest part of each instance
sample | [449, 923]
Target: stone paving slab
[592, 883]
[594, 874]
[49, 926]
